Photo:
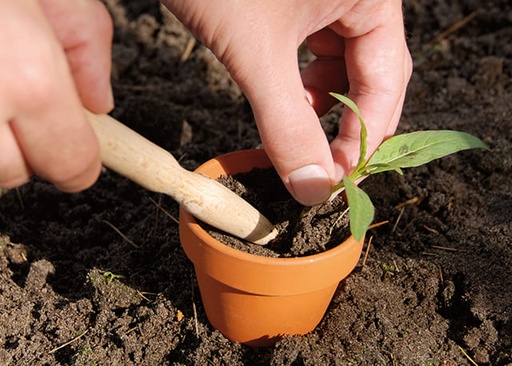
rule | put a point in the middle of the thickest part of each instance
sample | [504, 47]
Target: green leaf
[379, 168]
[361, 208]
[364, 133]
[418, 148]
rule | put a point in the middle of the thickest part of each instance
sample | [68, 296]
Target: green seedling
[396, 153]
[111, 277]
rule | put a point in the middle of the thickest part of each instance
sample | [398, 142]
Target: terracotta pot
[253, 299]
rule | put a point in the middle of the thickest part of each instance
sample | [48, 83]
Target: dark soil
[436, 287]
[301, 230]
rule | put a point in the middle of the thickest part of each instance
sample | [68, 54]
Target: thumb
[288, 125]
[257, 42]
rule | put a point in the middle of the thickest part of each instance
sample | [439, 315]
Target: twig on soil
[130, 330]
[188, 49]
[378, 224]
[371, 239]
[194, 309]
[453, 28]
[397, 270]
[467, 356]
[408, 225]
[443, 248]
[398, 219]
[448, 249]
[120, 233]
[19, 198]
[412, 201]
[69, 342]
[180, 159]
[165, 211]
[141, 294]
[434, 231]
[195, 319]
[155, 224]
[367, 251]
[5, 190]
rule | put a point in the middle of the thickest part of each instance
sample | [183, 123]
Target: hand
[55, 59]
[360, 48]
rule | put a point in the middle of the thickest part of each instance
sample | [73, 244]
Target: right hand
[55, 60]
[361, 49]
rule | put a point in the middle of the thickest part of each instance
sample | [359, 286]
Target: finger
[85, 30]
[289, 127]
[14, 169]
[259, 48]
[57, 150]
[327, 73]
[378, 67]
[408, 66]
[45, 113]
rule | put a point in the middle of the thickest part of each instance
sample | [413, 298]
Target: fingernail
[310, 185]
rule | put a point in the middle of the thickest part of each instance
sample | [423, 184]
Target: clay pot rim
[188, 220]
[220, 247]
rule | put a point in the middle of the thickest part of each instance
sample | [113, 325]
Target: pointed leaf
[363, 135]
[361, 209]
[379, 168]
[418, 148]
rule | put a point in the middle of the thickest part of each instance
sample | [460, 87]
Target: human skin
[55, 59]
[360, 48]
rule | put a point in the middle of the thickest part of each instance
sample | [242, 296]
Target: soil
[99, 277]
[302, 231]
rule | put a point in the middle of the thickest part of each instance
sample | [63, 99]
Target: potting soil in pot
[302, 230]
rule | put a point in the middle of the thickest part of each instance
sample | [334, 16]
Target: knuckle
[36, 80]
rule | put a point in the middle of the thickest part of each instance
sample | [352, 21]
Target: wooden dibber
[131, 155]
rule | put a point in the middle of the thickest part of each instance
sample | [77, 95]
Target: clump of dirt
[302, 230]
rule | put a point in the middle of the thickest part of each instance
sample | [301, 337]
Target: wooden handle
[129, 154]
